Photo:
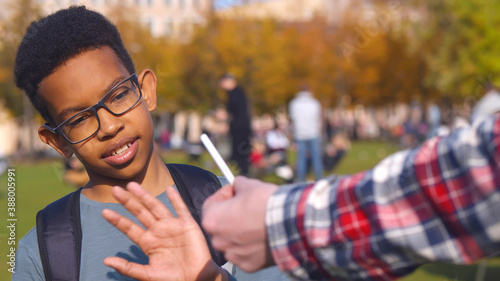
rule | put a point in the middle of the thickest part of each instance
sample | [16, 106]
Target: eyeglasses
[83, 125]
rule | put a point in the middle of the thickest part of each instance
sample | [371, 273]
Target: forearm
[436, 203]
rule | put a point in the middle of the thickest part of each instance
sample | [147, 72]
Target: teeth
[121, 150]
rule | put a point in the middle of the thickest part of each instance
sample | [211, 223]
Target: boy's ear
[147, 82]
[55, 141]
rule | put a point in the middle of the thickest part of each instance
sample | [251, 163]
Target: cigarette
[217, 158]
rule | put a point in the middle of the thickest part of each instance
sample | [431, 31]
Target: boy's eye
[121, 95]
[78, 120]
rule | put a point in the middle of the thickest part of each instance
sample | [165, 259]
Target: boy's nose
[110, 124]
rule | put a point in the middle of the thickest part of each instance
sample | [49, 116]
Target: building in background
[173, 18]
[336, 12]
[176, 18]
[289, 10]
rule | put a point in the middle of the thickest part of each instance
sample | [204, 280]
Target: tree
[149, 51]
[272, 59]
[22, 12]
[462, 42]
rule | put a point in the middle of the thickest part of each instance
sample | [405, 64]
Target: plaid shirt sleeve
[439, 202]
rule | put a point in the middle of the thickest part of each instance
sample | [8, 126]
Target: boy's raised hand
[176, 247]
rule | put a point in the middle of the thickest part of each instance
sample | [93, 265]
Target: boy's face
[123, 145]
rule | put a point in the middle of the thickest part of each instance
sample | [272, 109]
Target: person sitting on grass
[78, 75]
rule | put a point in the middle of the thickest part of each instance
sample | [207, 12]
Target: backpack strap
[195, 185]
[59, 236]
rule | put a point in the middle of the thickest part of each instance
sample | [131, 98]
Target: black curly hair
[54, 39]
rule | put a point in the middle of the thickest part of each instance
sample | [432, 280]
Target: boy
[77, 73]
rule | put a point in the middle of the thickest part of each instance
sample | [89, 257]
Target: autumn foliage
[374, 60]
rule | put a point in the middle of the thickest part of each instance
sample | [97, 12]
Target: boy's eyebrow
[75, 109]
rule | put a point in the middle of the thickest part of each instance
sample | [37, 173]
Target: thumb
[124, 267]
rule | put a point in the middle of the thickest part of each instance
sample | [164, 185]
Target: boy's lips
[121, 152]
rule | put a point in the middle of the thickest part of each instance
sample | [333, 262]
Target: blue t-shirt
[100, 240]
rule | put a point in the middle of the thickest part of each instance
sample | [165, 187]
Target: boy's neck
[155, 178]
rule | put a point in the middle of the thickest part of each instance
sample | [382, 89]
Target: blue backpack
[59, 230]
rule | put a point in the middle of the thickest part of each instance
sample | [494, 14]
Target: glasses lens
[123, 97]
[81, 126]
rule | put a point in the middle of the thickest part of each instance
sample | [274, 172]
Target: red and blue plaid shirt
[439, 202]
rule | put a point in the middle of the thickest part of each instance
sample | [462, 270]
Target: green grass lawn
[39, 183]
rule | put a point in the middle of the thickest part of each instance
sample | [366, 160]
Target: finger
[155, 206]
[135, 207]
[224, 193]
[124, 267]
[227, 191]
[232, 257]
[177, 202]
[126, 226]
[219, 243]
[243, 262]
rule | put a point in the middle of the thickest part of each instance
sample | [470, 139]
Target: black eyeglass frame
[94, 108]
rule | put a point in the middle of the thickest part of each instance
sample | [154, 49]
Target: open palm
[176, 247]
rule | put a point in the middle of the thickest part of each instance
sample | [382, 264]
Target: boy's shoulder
[28, 263]
[29, 240]
[223, 181]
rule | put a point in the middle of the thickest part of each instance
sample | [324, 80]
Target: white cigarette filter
[217, 158]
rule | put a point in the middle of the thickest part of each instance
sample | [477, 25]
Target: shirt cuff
[289, 247]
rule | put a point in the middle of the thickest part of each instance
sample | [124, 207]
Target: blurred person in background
[193, 146]
[335, 150]
[305, 114]
[74, 172]
[487, 105]
[415, 128]
[258, 159]
[4, 163]
[433, 119]
[277, 144]
[218, 131]
[239, 122]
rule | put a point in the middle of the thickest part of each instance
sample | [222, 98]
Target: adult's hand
[235, 217]
[176, 247]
